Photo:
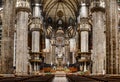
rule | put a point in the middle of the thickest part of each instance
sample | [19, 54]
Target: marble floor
[60, 76]
[60, 79]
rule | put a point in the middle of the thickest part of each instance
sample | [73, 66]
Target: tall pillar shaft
[7, 46]
[67, 51]
[73, 58]
[52, 58]
[78, 44]
[47, 59]
[53, 54]
[99, 38]
[36, 27]
[36, 10]
[84, 41]
[84, 45]
[84, 37]
[112, 37]
[84, 27]
[35, 41]
[66, 54]
[42, 41]
[22, 38]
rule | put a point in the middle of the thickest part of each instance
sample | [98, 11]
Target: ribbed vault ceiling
[60, 9]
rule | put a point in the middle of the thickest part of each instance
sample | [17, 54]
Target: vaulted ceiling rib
[69, 8]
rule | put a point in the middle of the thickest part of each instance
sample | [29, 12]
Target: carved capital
[22, 6]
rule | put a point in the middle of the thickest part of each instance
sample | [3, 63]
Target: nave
[39, 38]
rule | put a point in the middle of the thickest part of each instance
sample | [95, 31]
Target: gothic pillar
[43, 41]
[23, 9]
[48, 44]
[112, 37]
[14, 55]
[99, 38]
[42, 44]
[7, 43]
[52, 59]
[35, 41]
[36, 27]
[53, 53]
[84, 38]
[47, 52]
[72, 49]
[67, 51]
[73, 58]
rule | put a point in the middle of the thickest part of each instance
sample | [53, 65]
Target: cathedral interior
[51, 36]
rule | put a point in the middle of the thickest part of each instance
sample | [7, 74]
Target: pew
[79, 78]
[73, 69]
[40, 78]
[45, 78]
[47, 69]
[93, 78]
[105, 78]
[14, 79]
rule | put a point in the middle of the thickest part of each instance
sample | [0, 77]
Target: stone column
[84, 32]
[77, 39]
[99, 38]
[84, 44]
[14, 56]
[73, 57]
[48, 44]
[53, 53]
[67, 51]
[112, 37]
[72, 49]
[23, 8]
[43, 41]
[47, 57]
[35, 41]
[84, 39]
[36, 28]
[7, 43]
[42, 44]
